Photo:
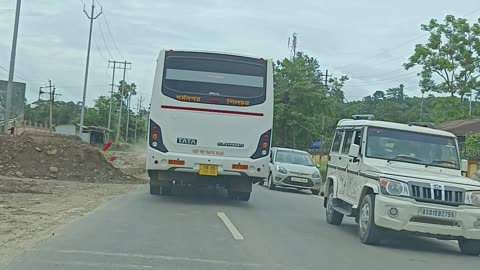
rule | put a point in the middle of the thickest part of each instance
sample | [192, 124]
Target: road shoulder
[31, 210]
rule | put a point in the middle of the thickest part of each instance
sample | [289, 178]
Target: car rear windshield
[294, 158]
[214, 78]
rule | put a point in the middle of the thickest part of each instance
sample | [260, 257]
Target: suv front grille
[437, 194]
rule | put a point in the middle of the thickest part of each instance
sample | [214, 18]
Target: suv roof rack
[363, 117]
[422, 124]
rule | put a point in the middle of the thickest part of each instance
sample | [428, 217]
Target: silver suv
[400, 177]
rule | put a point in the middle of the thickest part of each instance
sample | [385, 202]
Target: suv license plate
[437, 213]
[300, 180]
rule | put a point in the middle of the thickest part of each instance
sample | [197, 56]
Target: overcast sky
[366, 40]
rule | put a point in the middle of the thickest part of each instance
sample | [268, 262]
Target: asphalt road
[203, 230]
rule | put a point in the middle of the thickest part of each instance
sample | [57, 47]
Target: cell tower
[292, 45]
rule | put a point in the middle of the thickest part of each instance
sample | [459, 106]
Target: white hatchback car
[293, 168]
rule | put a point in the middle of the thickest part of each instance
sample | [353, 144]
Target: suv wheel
[333, 217]
[369, 232]
[469, 247]
[271, 185]
[260, 183]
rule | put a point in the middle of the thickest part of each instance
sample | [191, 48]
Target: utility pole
[91, 17]
[470, 105]
[51, 99]
[116, 65]
[421, 107]
[139, 110]
[122, 88]
[128, 115]
[111, 95]
[8, 102]
[326, 75]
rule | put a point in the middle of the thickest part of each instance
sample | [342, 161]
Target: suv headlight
[316, 175]
[472, 198]
[394, 188]
[280, 169]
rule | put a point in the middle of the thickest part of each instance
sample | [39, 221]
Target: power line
[16, 75]
[110, 33]
[401, 44]
[98, 48]
[104, 40]
[376, 75]
[382, 82]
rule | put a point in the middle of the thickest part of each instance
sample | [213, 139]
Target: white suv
[401, 177]
[294, 169]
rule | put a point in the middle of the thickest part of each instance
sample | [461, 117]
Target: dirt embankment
[57, 157]
[49, 180]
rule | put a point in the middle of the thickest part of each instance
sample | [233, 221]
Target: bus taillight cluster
[266, 140]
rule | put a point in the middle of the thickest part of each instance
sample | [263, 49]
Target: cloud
[357, 38]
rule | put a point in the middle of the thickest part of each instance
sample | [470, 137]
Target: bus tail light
[239, 167]
[176, 162]
[263, 147]
[156, 140]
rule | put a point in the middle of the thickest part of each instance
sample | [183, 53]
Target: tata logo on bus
[186, 141]
[228, 144]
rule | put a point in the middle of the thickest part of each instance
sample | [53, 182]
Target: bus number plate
[208, 170]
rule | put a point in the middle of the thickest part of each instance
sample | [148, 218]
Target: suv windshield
[405, 146]
[294, 158]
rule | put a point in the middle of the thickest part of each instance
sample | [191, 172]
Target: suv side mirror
[354, 151]
[464, 165]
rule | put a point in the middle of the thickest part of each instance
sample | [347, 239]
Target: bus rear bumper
[257, 169]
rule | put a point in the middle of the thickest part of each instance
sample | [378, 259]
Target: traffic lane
[294, 232]
[281, 230]
[141, 231]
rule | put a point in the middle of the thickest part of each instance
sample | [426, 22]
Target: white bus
[211, 121]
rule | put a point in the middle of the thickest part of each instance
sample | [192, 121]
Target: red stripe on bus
[210, 110]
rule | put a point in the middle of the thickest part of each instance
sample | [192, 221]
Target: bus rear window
[214, 78]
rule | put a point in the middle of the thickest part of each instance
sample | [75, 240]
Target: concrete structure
[461, 128]
[91, 134]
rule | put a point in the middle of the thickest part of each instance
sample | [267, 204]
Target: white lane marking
[152, 257]
[96, 265]
[236, 234]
